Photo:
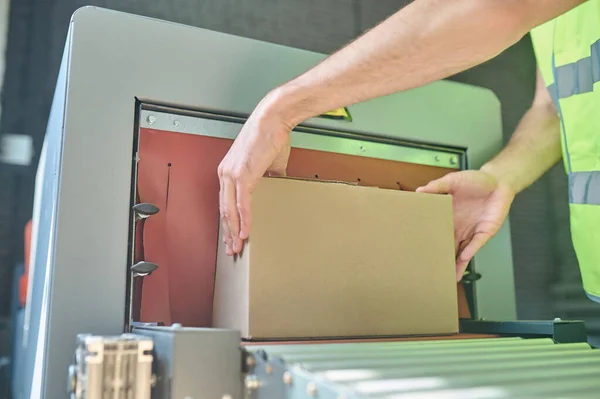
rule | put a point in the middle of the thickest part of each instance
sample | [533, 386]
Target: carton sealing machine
[125, 230]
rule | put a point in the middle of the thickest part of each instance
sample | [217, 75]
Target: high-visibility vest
[567, 50]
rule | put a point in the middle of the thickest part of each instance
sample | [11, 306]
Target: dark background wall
[543, 256]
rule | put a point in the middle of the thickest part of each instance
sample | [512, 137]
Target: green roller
[586, 386]
[474, 366]
[368, 346]
[454, 358]
[481, 347]
[504, 377]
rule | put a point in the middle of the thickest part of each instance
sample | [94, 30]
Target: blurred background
[32, 35]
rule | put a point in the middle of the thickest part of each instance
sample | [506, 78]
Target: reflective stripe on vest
[584, 188]
[568, 56]
[577, 77]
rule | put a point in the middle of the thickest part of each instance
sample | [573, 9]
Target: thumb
[466, 254]
[439, 186]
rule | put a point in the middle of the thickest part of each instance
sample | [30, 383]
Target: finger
[225, 231]
[276, 173]
[465, 256]
[459, 246]
[231, 214]
[225, 237]
[244, 202]
[439, 186]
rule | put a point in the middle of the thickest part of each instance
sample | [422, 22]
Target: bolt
[557, 319]
[250, 361]
[252, 382]
[362, 149]
[437, 158]
[175, 326]
[72, 379]
[176, 123]
[287, 378]
[453, 160]
[268, 369]
[151, 119]
[226, 396]
[311, 389]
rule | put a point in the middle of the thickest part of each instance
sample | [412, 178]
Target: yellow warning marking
[340, 113]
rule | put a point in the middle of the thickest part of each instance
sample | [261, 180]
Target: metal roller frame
[479, 368]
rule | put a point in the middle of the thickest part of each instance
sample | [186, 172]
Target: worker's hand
[481, 204]
[263, 145]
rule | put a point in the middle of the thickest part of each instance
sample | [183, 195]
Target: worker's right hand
[480, 204]
[263, 145]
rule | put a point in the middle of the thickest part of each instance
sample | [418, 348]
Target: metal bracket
[470, 277]
[561, 331]
[144, 210]
[142, 269]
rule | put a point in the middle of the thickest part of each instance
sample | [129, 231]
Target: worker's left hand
[480, 203]
[263, 145]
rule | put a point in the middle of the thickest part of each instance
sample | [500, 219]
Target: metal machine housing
[83, 199]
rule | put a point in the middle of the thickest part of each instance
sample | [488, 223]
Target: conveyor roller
[478, 368]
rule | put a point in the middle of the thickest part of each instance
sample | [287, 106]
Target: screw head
[250, 361]
[453, 160]
[176, 326]
[151, 119]
[72, 379]
[311, 389]
[226, 397]
[557, 319]
[252, 382]
[287, 378]
[437, 158]
[176, 123]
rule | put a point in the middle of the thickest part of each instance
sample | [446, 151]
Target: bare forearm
[533, 149]
[426, 41]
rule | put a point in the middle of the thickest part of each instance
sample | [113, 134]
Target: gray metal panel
[42, 244]
[107, 69]
[196, 363]
[315, 140]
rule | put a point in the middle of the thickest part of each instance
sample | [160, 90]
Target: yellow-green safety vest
[567, 50]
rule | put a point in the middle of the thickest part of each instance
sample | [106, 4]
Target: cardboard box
[337, 260]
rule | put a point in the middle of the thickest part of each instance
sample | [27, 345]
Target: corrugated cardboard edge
[315, 180]
[348, 338]
[239, 318]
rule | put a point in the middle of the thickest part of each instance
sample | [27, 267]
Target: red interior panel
[177, 173]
